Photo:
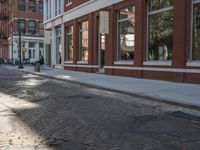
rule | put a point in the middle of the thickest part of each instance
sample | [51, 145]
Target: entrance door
[32, 55]
[59, 50]
[101, 48]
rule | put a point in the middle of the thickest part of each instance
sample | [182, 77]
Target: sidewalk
[187, 95]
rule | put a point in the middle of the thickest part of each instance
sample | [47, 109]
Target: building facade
[153, 39]
[26, 18]
[4, 30]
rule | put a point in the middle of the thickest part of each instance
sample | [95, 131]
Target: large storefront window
[69, 43]
[160, 30]
[126, 33]
[83, 41]
[196, 31]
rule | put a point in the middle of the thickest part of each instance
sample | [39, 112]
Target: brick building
[26, 17]
[4, 30]
[154, 39]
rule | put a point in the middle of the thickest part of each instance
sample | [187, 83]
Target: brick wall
[4, 30]
[27, 16]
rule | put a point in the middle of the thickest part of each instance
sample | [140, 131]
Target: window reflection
[160, 37]
[22, 5]
[126, 33]
[69, 43]
[83, 40]
[159, 4]
[32, 5]
[22, 26]
[196, 33]
[32, 27]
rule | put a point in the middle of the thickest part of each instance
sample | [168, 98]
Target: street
[48, 114]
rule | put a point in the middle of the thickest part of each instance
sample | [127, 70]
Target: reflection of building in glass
[83, 37]
[196, 32]
[69, 43]
[58, 45]
[160, 44]
[126, 25]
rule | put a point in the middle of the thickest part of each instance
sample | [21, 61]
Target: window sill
[69, 62]
[193, 64]
[82, 62]
[121, 62]
[157, 63]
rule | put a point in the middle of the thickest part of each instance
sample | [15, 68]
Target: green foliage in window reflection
[159, 4]
[196, 33]
[161, 35]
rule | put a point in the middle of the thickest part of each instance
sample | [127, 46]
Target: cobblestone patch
[46, 114]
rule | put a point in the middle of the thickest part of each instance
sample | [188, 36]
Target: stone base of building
[175, 75]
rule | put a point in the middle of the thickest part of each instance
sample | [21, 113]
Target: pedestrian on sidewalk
[41, 61]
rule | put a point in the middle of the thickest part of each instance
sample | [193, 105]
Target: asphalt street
[48, 114]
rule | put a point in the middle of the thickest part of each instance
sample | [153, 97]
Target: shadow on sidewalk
[74, 117]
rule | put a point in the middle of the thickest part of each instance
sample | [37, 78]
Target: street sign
[104, 22]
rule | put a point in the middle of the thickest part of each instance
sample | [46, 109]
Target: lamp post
[12, 45]
[20, 48]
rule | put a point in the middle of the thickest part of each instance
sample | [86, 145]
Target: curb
[147, 97]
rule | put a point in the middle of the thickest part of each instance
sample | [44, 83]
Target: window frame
[149, 13]
[119, 61]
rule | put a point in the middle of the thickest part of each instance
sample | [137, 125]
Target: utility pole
[20, 48]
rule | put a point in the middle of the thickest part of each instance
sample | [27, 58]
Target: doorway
[101, 48]
[101, 52]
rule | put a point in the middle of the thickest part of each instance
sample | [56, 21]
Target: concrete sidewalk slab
[187, 95]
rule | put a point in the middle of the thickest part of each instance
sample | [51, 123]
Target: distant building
[153, 39]
[26, 17]
[4, 30]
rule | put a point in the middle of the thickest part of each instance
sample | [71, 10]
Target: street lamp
[12, 45]
[20, 48]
